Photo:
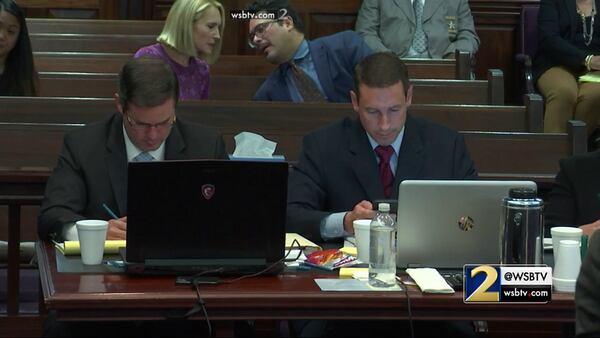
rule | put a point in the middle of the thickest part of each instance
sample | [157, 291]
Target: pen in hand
[109, 211]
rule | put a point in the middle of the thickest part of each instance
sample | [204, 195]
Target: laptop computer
[432, 231]
[192, 216]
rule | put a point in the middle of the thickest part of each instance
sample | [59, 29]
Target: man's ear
[118, 103]
[288, 23]
[354, 99]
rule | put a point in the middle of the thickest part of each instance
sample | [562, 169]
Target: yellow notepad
[590, 77]
[304, 242]
[72, 247]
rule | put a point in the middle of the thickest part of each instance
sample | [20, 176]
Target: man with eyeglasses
[92, 166]
[319, 70]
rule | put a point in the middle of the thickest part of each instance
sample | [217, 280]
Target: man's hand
[117, 228]
[588, 229]
[364, 209]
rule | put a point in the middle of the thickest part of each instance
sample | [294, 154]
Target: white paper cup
[92, 234]
[567, 266]
[362, 235]
[562, 233]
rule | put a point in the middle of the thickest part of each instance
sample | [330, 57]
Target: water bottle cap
[522, 193]
[385, 207]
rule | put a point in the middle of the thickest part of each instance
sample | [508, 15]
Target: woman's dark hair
[19, 77]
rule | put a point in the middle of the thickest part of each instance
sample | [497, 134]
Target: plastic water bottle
[382, 249]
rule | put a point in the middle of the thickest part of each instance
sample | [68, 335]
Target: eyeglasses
[141, 126]
[259, 30]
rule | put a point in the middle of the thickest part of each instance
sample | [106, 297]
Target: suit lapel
[430, 7]
[407, 8]
[174, 145]
[410, 159]
[116, 161]
[321, 62]
[363, 161]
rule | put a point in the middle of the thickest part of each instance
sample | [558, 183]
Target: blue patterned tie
[143, 157]
[419, 42]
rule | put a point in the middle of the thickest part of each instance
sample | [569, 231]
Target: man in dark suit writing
[92, 165]
[308, 71]
[347, 165]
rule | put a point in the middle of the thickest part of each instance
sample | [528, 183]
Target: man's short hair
[178, 31]
[147, 82]
[280, 7]
[381, 70]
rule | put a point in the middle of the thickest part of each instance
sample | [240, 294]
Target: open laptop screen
[212, 212]
[429, 222]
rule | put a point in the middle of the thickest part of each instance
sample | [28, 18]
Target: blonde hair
[178, 31]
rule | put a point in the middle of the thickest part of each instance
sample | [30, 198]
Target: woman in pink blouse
[189, 42]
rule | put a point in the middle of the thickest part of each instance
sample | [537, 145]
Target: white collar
[133, 151]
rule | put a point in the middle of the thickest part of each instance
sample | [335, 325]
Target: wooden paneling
[83, 9]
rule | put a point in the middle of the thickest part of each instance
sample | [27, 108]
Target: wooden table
[292, 295]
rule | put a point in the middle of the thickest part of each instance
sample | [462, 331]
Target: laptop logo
[208, 190]
[465, 223]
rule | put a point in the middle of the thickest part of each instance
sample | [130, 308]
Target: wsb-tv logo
[509, 284]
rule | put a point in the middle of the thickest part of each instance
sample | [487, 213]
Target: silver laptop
[446, 224]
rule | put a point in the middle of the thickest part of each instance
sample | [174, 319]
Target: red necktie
[385, 171]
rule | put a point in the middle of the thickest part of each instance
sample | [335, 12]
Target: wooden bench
[32, 139]
[234, 87]
[94, 26]
[89, 62]
[99, 43]
[526, 118]
[255, 65]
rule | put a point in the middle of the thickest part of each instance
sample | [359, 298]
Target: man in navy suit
[338, 175]
[328, 61]
[346, 166]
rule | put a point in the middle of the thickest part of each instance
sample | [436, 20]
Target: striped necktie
[419, 41]
[306, 86]
[143, 157]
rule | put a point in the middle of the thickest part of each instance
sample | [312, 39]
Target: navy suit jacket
[334, 57]
[575, 196]
[338, 168]
[92, 170]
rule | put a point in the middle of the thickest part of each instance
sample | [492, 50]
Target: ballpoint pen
[110, 212]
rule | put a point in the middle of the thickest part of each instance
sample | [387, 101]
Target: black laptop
[206, 216]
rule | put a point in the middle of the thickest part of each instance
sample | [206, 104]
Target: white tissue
[253, 145]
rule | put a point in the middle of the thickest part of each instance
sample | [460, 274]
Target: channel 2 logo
[507, 284]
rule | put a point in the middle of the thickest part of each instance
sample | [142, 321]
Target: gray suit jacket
[92, 170]
[389, 25]
[587, 292]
